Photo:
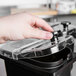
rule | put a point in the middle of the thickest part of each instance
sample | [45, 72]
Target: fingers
[2, 41]
[37, 33]
[44, 25]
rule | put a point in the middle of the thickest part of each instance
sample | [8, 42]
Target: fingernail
[49, 35]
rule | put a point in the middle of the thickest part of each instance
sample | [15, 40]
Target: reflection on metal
[2, 68]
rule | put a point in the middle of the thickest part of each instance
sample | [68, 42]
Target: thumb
[40, 34]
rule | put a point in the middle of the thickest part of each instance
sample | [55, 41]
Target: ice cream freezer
[36, 57]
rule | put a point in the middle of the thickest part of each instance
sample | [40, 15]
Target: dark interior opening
[54, 57]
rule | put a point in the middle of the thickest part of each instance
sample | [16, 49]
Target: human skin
[23, 25]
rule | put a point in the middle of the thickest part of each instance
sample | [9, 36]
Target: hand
[23, 25]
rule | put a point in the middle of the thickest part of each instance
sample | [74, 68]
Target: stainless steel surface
[45, 16]
[2, 68]
[73, 72]
[4, 11]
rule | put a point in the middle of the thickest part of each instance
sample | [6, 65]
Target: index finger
[44, 25]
